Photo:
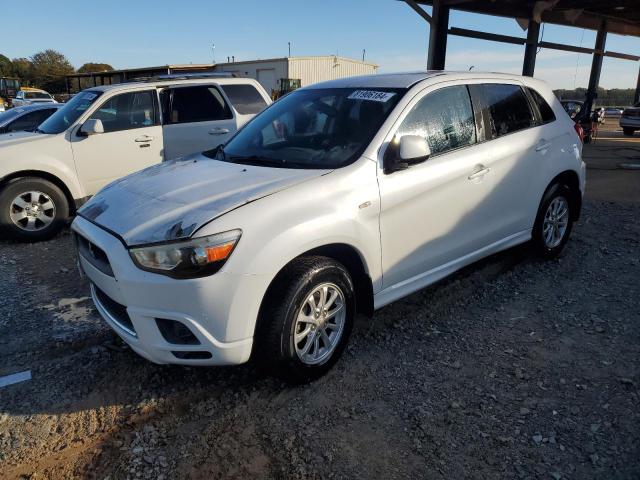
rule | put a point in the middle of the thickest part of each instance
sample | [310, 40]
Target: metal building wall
[319, 69]
[267, 72]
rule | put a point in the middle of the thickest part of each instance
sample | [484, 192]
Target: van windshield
[67, 115]
[317, 128]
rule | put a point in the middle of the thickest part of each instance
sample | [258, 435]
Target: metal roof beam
[419, 10]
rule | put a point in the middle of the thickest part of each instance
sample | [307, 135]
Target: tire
[556, 196]
[286, 300]
[36, 195]
[587, 139]
[627, 131]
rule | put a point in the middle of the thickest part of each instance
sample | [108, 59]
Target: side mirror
[408, 150]
[414, 149]
[93, 126]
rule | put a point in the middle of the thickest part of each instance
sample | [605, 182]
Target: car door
[196, 118]
[132, 139]
[509, 148]
[431, 212]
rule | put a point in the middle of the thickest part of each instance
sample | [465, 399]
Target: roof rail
[189, 76]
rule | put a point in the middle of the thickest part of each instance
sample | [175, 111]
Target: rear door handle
[218, 131]
[479, 172]
[144, 139]
[543, 145]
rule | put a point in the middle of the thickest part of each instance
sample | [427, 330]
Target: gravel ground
[512, 368]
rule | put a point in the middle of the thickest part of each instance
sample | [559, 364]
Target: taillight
[579, 131]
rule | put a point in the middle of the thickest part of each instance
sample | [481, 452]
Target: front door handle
[218, 131]
[479, 172]
[144, 139]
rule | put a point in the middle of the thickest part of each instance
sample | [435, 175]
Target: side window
[245, 98]
[546, 112]
[127, 111]
[195, 104]
[444, 118]
[507, 108]
[27, 121]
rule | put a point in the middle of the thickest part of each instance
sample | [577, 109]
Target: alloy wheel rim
[32, 211]
[319, 324]
[556, 220]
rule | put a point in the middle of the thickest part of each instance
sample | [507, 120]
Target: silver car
[26, 118]
[32, 96]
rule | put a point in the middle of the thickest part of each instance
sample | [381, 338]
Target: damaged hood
[172, 200]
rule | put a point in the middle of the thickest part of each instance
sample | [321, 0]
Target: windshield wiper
[259, 161]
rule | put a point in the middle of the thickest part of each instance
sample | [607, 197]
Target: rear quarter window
[245, 98]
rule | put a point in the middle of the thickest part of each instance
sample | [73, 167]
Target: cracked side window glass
[444, 118]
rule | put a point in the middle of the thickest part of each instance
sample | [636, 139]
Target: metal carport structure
[613, 16]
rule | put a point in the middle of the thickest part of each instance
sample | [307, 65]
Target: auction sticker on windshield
[371, 95]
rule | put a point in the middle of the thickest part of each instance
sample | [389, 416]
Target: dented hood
[172, 200]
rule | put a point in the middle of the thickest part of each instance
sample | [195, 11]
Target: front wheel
[306, 319]
[32, 209]
[554, 221]
[627, 131]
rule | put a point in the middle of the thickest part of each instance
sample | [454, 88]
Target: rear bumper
[219, 310]
[630, 122]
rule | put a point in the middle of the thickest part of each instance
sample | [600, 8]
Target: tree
[95, 67]
[21, 68]
[5, 66]
[49, 68]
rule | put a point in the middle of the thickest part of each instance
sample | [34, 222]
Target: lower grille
[117, 313]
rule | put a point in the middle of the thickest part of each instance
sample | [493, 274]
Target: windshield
[316, 128]
[36, 95]
[63, 118]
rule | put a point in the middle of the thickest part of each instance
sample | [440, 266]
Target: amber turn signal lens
[219, 252]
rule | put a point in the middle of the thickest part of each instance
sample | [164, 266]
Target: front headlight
[194, 258]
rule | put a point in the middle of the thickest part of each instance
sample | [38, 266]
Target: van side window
[245, 98]
[444, 118]
[196, 104]
[546, 112]
[505, 109]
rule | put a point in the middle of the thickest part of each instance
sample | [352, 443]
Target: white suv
[339, 198]
[110, 131]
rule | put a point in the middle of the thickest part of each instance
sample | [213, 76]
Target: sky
[140, 33]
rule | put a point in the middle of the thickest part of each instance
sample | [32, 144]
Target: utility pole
[363, 52]
[213, 52]
[289, 44]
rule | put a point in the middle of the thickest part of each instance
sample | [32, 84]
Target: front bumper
[219, 310]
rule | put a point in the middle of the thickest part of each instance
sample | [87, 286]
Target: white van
[339, 198]
[106, 132]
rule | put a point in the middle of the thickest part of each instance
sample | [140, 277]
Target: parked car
[598, 114]
[27, 118]
[339, 198]
[630, 119]
[611, 112]
[30, 96]
[572, 107]
[110, 131]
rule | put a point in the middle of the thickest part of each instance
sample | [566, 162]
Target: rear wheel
[628, 131]
[32, 209]
[306, 319]
[554, 221]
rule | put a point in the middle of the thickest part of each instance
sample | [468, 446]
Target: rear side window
[546, 112]
[29, 121]
[195, 104]
[444, 118]
[505, 109]
[245, 98]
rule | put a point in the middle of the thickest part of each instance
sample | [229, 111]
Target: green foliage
[95, 67]
[48, 69]
[615, 97]
[5, 66]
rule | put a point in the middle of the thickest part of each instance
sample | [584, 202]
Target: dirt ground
[512, 368]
